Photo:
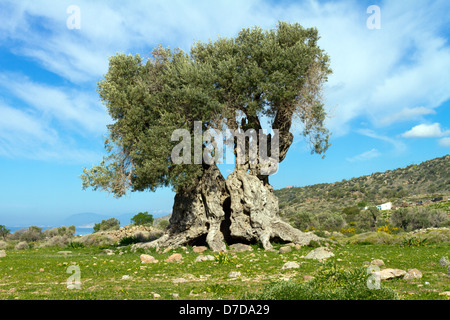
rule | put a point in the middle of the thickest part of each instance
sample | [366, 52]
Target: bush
[410, 219]
[128, 240]
[331, 221]
[22, 246]
[110, 224]
[75, 245]
[163, 224]
[31, 234]
[4, 231]
[305, 220]
[59, 231]
[56, 241]
[96, 240]
[3, 244]
[142, 218]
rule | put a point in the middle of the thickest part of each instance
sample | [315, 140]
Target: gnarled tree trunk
[217, 212]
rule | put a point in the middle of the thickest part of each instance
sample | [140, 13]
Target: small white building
[385, 206]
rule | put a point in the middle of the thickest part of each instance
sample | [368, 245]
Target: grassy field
[42, 273]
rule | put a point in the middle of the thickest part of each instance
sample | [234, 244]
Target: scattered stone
[176, 257]
[320, 253]
[285, 249]
[390, 273]
[155, 295]
[64, 252]
[167, 249]
[444, 262]
[290, 265]
[2, 253]
[145, 258]
[234, 274]
[126, 277]
[445, 293]
[175, 295]
[41, 270]
[240, 247]
[202, 258]
[307, 278]
[179, 280]
[412, 274]
[200, 249]
[377, 262]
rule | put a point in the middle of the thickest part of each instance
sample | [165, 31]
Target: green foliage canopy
[274, 73]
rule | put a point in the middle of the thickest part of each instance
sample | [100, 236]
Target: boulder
[377, 262]
[145, 258]
[285, 249]
[202, 258]
[290, 265]
[176, 257]
[390, 273]
[2, 253]
[200, 249]
[320, 253]
[444, 262]
[240, 247]
[412, 274]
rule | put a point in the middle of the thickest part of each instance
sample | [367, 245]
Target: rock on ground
[2, 253]
[290, 265]
[377, 262]
[145, 258]
[202, 258]
[200, 249]
[176, 257]
[412, 274]
[320, 253]
[240, 247]
[285, 249]
[390, 273]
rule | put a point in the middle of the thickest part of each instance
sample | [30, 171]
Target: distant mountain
[83, 220]
[415, 182]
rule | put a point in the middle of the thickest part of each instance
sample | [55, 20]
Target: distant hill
[423, 181]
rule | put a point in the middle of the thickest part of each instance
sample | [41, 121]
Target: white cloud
[374, 153]
[444, 142]
[426, 131]
[387, 75]
[76, 110]
[399, 146]
[407, 114]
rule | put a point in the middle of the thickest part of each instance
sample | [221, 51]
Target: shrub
[417, 218]
[331, 221]
[128, 240]
[4, 231]
[56, 241]
[304, 220]
[75, 245]
[163, 224]
[3, 244]
[387, 229]
[96, 240]
[22, 246]
[110, 224]
[31, 234]
[142, 218]
[59, 231]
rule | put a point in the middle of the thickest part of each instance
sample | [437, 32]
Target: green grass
[41, 273]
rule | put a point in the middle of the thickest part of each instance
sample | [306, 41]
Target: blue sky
[388, 98]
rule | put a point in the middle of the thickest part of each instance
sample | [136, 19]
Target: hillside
[413, 183]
